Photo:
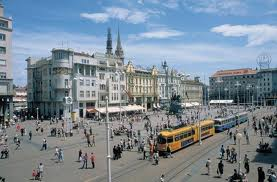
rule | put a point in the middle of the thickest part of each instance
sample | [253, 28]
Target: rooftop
[234, 72]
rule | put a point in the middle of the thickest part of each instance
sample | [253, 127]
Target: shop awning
[91, 110]
[221, 101]
[116, 109]
[190, 104]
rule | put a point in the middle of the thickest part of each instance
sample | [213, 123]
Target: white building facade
[6, 79]
[87, 78]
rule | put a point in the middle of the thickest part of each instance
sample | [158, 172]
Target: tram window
[217, 122]
[170, 139]
[181, 136]
[193, 132]
[189, 133]
[161, 140]
[185, 135]
[177, 137]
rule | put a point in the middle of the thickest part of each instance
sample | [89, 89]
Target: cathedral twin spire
[109, 49]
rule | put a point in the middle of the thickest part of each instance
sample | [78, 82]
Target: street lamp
[219, 81]
[239, 136]
[119, 74]
[109, 179]
[75, 79]
[37, 113]
[257, 87]
[237, 85]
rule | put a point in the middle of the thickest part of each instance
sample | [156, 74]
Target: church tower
[119, 51]
[109, 46]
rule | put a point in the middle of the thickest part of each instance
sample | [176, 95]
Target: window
[87, 94]
[81, 93]
[3, 62]
[66, 93]
[81, 82]
[66, 83]
[3, 75]
[2, 50]
[92, 83]
[161, 140]
[3, 24]
[2, 37]
[101, 76]
[170, 139]
[102, 87]
[87, 82]
[92, 93]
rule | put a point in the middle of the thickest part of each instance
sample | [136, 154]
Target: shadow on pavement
[268, 158]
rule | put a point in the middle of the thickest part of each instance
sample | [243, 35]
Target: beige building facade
[142, 86]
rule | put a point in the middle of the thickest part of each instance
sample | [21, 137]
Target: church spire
[119, 51]
[109, 46]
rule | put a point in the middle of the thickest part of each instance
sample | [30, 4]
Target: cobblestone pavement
[187, 165]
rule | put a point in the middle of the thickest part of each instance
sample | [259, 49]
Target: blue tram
[222, 124]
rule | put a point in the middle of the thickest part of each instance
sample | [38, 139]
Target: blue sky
[196, 37]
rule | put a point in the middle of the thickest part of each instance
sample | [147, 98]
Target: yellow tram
[181, 137]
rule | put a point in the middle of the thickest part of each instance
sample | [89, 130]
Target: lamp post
[237, 85]
[239, 136]
[257, 89]
[37, 113]
[200, 137]
[75, 79]
[119, 74]
[109, 177]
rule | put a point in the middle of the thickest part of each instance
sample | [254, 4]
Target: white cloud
[157, 34]
[123, 14]
[197, 57]
[117, 13]
[97, 17]
[221, 7]
[172, 4]
[256, 34]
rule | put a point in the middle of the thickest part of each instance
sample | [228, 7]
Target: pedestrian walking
[208, 166]
[79, 155]
[93, 140]
[246, 164]
[92, 159]
[235, 138]
[228, 153]
[90, 131]
[30, 135]
[88, 140]
[222, 151]
[247, 138]
[44, 144]
[40, 170]
[220, 168]
[261, 174]
[85, 161]
[162, 178]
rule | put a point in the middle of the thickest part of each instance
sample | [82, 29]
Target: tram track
[185, 164]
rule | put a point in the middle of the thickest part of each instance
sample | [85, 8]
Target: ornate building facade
[142, 85]
[87, 78]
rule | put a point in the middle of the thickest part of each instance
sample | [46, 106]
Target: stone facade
[6, 79]
[87, 78]
[227, 84]
[142, 86]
